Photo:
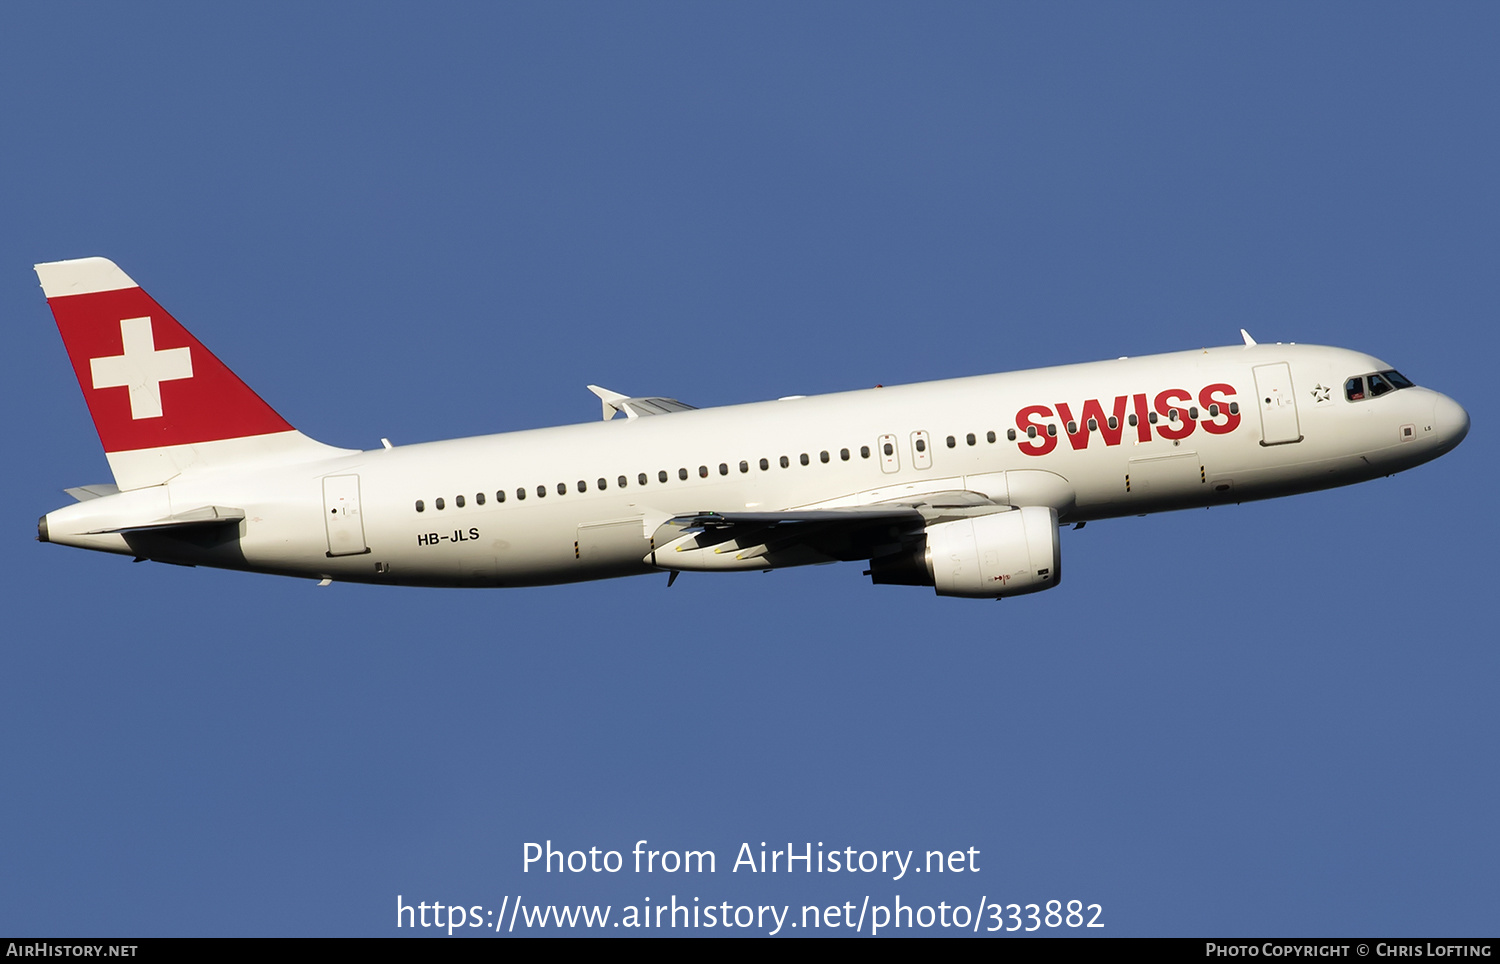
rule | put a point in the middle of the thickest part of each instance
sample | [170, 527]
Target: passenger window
[723, 468]
[1093, 425]
[804, 459]
[458, 501]
[1114, 422]
[622, 481]
[888, 449]
[603, 484]
[844, 454]
[583, 485]
[479, 498]
[970, 438]
[1010, 435]
[500, 495]
[764, 465]
[864, 451]
[420, 506]
[989, 437]
[642, 478]
[562, 488]
[1052, 430]
[921, 445]
[785, 462]
[823, 457]
[744, 466]
[682, 474]
[1072, 427]
[541, 492]
[521, 495]
[1133, 421]
[952, 441]
[439, 503]
[702, 471]
[662, 475]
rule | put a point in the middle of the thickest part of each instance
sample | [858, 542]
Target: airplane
[959, 485]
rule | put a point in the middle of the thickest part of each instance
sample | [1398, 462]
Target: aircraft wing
[612, 403]
[765, 540]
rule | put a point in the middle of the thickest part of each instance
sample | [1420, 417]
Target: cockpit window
[1375, 384]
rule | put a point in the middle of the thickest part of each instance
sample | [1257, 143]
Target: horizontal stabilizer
[204, 517]
[84, 493]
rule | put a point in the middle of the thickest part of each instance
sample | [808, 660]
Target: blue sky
[423, 223]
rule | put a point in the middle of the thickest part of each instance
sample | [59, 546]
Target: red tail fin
[149, 384]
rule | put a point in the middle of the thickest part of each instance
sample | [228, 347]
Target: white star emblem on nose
[1320, 392]
[141, 368]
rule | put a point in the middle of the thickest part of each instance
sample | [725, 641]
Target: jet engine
[987, 557]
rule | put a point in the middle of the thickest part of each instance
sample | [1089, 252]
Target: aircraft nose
[1450, 421]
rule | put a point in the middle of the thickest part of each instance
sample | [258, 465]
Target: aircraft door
[346, 527]
[890, 461]
[1277, 403]
[921, 450]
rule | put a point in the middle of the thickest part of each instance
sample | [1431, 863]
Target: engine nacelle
[1006, 554]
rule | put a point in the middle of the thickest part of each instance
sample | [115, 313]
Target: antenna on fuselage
[1249, 342]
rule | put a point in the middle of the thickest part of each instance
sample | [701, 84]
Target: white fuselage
[355, 516]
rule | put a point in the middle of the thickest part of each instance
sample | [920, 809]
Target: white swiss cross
[141, 368]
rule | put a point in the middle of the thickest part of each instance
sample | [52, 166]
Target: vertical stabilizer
[161, 402]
